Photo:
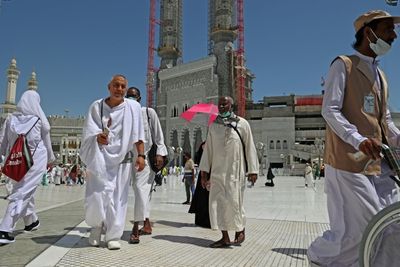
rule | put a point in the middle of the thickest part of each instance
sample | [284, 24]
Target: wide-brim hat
[366, 18]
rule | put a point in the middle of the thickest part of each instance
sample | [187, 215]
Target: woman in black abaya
[199, 205]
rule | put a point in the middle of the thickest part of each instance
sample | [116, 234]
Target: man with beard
[229, 155]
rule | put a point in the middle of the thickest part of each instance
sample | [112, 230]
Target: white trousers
[352, 199]
[9, 185]
[309, 179]
[142, 184]
[107, 205]
[21, 201]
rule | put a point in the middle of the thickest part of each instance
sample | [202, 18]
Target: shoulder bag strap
[101, 114]
[150, 128]
[241, 140]
[28, 133]
[32, 126]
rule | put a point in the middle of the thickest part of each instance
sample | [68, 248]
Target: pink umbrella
[202, 113]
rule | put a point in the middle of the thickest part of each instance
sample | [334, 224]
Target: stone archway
[174, 138]
[198, 139]
[186, 147]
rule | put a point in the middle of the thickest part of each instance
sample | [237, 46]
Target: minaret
[32, 83]
[222, 34]
[12, 78]
[170, 44]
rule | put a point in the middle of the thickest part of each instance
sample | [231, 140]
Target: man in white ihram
[143, 180]
[112, 128]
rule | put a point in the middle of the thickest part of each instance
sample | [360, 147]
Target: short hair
[135, 88]
[116, 76]
[230, 99]
[360, 34]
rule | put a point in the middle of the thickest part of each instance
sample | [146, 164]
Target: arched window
[284, 145]
[278, 144]
[271, 144]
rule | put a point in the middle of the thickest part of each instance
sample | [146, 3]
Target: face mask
[132, 97]
[225, 114]
[380, 47]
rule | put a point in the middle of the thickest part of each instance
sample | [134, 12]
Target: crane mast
[240, 68]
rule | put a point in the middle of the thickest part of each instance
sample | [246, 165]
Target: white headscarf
[29, 104]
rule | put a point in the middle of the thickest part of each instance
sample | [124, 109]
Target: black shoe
[32, 227]
[186, 202]
[5, 238]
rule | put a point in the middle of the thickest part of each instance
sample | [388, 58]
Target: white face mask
[380, 47]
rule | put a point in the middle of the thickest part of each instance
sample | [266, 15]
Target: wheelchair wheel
[373, 232]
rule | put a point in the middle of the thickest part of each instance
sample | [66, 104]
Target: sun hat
[366, 18]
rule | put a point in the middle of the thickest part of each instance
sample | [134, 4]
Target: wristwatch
[142, 155]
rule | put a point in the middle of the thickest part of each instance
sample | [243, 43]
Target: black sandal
[239, 238]
[220, 244]
[134, 239]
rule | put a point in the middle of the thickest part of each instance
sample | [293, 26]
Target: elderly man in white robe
[112, 128]
[229, 155]
[143, 180]
[29, 117]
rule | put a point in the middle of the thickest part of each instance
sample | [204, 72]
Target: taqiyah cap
[366, 18]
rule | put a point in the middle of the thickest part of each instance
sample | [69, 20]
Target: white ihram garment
[107, 179]
[143, 180]
[224, 156]
[352, 198]
[308, 176]
[21, 201]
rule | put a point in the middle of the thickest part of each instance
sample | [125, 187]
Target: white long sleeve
[333, 102]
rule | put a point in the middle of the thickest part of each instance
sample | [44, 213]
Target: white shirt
[333, 103]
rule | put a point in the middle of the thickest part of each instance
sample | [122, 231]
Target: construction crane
[240, 68]
[151, 71]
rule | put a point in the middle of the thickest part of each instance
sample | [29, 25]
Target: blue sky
[75, 46]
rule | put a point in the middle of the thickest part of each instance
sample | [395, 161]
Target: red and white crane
[240, 68]
[151, 70]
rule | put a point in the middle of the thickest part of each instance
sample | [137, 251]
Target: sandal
[134, 239]
[144, 232]
[220, 244]
[239, 238]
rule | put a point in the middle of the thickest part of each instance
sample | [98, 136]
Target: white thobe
[21, 201]
[143, 180]
[223, 158]
[107, 179]
[56, 172]
[352, 198]
[308, 176]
